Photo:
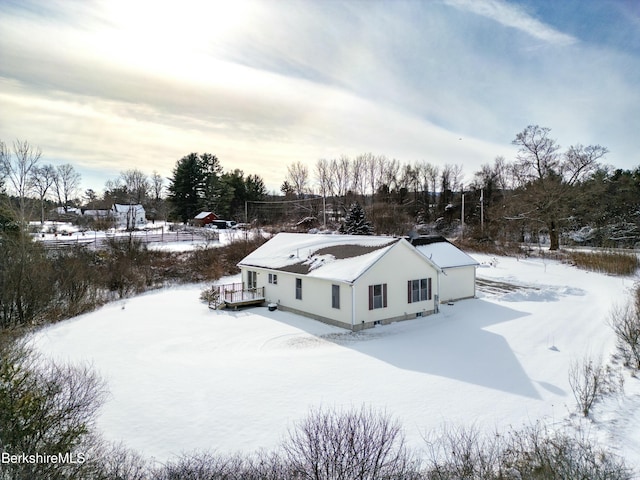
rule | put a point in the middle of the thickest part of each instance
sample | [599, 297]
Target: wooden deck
[234, 295]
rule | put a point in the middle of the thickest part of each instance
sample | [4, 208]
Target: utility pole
[462, 216]
[324, 211]
[482, 210]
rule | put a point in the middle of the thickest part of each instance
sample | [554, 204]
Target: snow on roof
[337, 257]
[202, 215]
[446, 255]
[119, 207]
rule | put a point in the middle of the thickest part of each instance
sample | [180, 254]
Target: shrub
[625, 321]
[45, 408]
[591, 381]
[462, 453]
[538, 453]
[615, 263]
[357, 444]
[530, 453]
[125, 265]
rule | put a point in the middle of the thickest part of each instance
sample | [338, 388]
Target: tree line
[544, 191]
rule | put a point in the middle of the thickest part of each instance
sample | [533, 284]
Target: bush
[538, 453]
[46, 408]
[357, 445]
[591, 381]
[25, 281]
[614, 263]
[125, 265]
[625, 321]
[211, 466]
[532, 453]
[462, 453]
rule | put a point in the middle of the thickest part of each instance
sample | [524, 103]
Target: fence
[94, 240]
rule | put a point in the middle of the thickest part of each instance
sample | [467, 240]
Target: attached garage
[458, 270]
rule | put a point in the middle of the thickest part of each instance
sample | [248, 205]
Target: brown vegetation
[615, 263]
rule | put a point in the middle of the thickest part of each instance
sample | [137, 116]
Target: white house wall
[457, 283]
[401, 264]
[316, 294]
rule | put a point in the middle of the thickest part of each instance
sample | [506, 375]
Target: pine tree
[356, 223]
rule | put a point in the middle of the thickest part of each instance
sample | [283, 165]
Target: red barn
[204, 218]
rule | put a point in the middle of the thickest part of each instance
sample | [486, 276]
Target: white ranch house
[346, 280]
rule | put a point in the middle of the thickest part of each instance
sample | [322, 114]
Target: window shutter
[370, 297]
[384, 295]
[429, 288]
[409, 291]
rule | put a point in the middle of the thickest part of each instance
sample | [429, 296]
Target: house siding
[316, 294]
[395, 269]
[458, 283]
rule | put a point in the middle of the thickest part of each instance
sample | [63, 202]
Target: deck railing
[235, 294]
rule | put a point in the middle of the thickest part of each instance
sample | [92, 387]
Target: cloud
[515, 17]
[298, 81]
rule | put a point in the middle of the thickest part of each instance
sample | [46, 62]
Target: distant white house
[458, 270]
[128, 216]
[346, 280]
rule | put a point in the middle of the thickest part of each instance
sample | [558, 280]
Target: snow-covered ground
[184, 377]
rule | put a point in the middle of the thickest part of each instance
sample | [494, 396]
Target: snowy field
[183, 377]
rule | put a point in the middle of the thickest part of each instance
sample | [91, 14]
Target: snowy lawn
[184, 377]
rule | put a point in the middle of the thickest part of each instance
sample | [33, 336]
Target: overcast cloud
[110, 85]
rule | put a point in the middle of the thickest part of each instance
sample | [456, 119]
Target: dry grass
[614, 263]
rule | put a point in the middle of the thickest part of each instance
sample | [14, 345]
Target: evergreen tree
[356, 223]
[195, 178]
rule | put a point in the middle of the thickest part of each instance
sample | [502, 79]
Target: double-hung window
[419, 290]
[377, 296]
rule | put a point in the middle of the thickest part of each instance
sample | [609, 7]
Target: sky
[110, 85]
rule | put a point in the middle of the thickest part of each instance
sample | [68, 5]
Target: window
[252, 279]
[335, 296]
[419, 290]
[273, 278]
[298, 289]
[377, 296]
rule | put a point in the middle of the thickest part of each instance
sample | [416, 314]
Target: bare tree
[298, 178]
[545, 177]
[42, 179]
[136, 184]
[373, 167]
[340, 172]
[17, 166]
[450, 178]
[324, 180]
[358, 169]
[427, 178]
[157, 185]
[67, 183]
[390, 176]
